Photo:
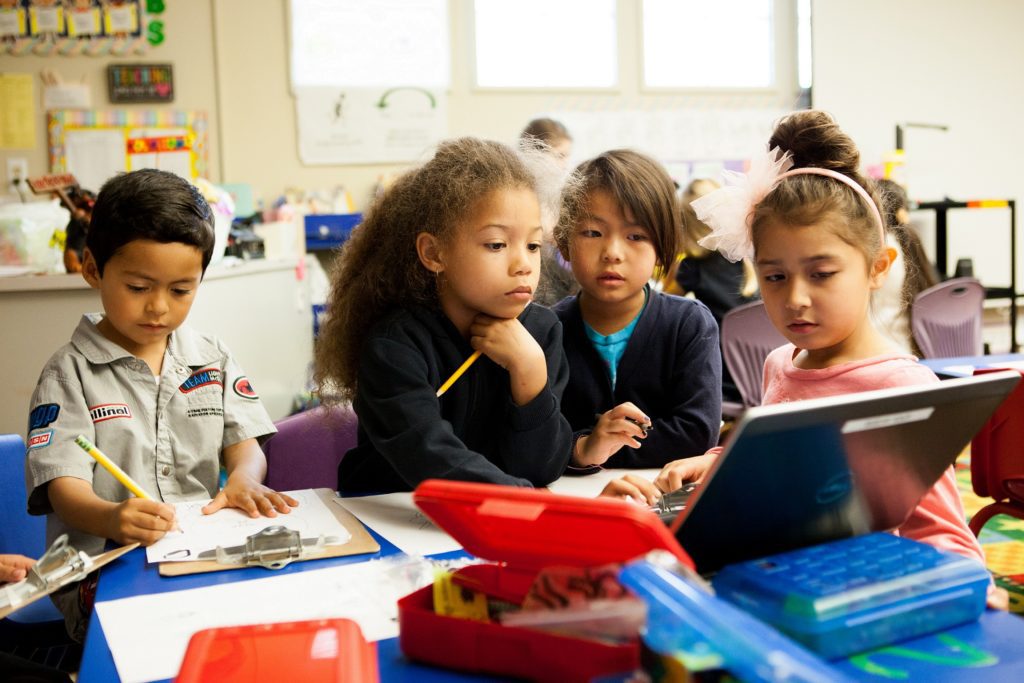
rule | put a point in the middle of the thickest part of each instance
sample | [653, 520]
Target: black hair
[149, 205]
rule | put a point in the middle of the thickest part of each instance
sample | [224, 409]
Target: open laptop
[797, 474]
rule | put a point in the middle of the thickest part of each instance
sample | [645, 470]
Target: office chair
[748, 336]
[307, 448]
[997, 460]
[946, 319]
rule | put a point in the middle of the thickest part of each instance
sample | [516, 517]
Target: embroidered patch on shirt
[243, 387]
[109, 411]
[43, 415]
[40, 440]
[202, 378]
[207, 411]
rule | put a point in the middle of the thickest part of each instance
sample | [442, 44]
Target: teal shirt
[610, 348]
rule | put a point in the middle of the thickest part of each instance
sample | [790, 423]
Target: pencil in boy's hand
[109, 466]
[457, 374]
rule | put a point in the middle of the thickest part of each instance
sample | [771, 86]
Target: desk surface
[990, 649]
[963, 366]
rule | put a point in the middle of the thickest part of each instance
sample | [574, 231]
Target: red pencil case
[317, 651]
[522, 531]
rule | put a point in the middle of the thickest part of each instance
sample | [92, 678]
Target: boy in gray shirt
[167, 404]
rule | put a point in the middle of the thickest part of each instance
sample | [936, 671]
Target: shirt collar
[185, 346]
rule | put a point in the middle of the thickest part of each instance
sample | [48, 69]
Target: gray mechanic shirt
[168, 437]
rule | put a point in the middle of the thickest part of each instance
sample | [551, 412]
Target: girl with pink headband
[812, 226]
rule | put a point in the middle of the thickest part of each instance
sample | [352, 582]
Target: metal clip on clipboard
[60, 565]
[273, 548]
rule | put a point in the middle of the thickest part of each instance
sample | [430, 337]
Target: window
[702, 44]
[355, 43]
[546, 43]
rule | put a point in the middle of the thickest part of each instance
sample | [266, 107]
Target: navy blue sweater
[671, 369]
[474, 432]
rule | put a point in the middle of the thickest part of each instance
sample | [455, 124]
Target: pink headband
[849, 182]
[728, 211]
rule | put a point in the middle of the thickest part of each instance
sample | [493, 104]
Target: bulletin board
[95, 145]
[80, 27]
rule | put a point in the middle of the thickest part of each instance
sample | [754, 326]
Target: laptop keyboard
[671, 504]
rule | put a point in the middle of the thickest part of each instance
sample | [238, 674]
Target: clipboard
[361, 542]
[60, 565]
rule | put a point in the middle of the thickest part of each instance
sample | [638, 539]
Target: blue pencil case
[858, 593]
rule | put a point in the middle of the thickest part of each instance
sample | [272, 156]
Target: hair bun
[814, 139]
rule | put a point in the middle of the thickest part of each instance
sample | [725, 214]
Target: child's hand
[141, 520]
[506, 342]
[633, 488]
[14, 567]
[510, 345]
[679, 472]
[997, 598]
[251, 497]
[621, 426]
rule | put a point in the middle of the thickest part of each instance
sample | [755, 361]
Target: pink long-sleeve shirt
[939, 518]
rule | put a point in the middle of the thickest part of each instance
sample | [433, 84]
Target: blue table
[955, 367]
[130, 575]
[991, 649]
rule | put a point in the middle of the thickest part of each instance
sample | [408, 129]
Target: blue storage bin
[329, 230]
[859, 593]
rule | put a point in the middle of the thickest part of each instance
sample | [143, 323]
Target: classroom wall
[877, 62]
[258, 112]
[188, 46]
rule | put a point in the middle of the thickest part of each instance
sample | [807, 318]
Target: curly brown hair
[814, 139]
[639, 184]
[378, 269]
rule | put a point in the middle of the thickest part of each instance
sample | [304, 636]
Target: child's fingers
[669, 479]
[244, 502]
[997, 598]
[219, 502]
[648, 492]
[279, 501]
[264, 505]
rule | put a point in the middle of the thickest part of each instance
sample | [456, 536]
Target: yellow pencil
[457, 374]
[109, 466]
[119, 474]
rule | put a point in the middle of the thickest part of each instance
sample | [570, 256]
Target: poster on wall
[96, 144]
[80, 27]
[368, 125]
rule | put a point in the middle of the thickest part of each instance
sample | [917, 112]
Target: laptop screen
[797, 474]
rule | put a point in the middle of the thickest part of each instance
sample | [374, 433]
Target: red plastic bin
[523, 531]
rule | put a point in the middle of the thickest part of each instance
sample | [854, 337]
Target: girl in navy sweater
[644, 367]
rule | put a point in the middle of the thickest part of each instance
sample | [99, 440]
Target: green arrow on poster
[383, 98]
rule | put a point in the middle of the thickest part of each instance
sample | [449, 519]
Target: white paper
[148, 634]
[590, 486]
[1010, 364]
[958, 369]
[395, 517]
[67, 96]
[369, 125]
[230, 527]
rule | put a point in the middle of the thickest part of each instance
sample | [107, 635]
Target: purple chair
[946, 319]
[748, 336]
[307, 448]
